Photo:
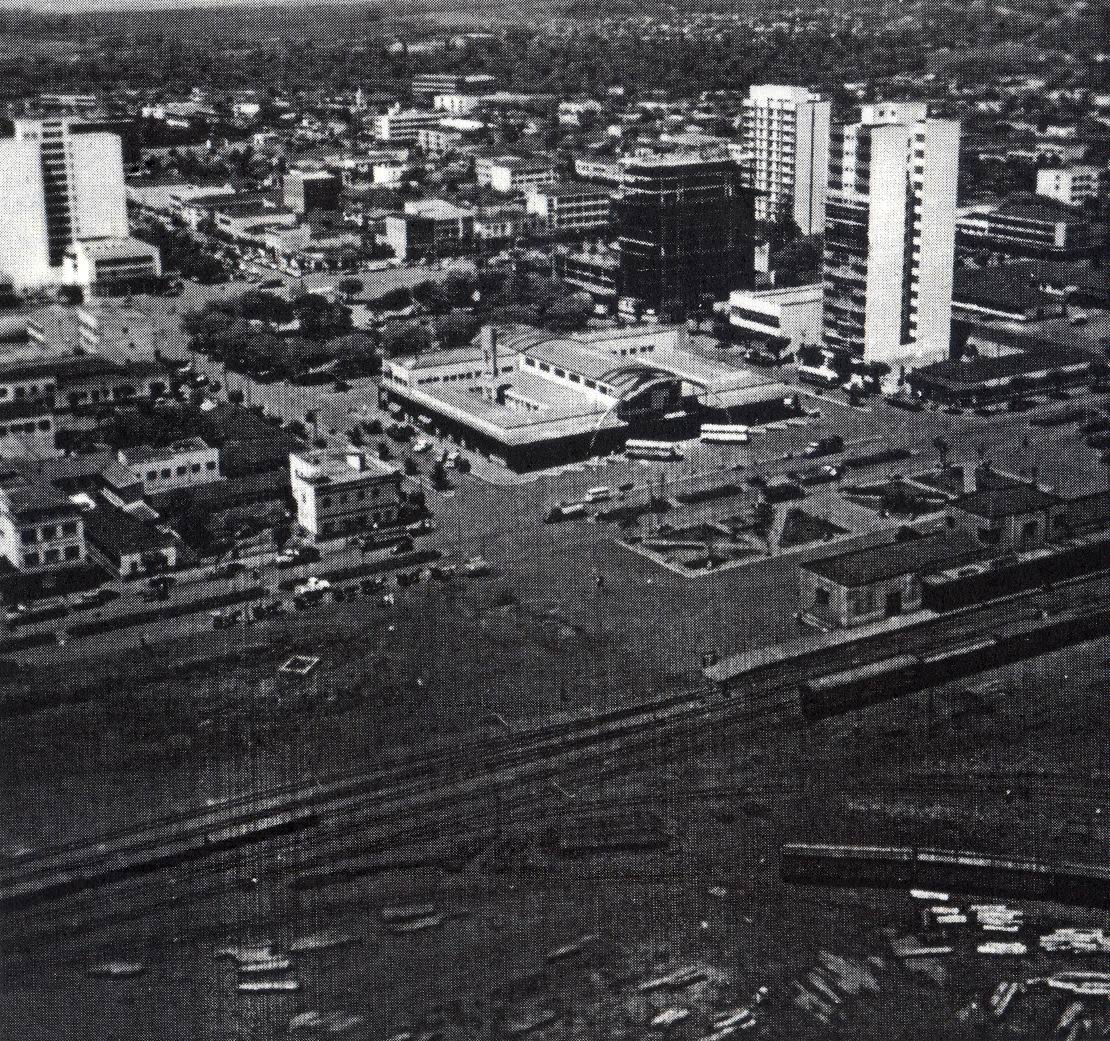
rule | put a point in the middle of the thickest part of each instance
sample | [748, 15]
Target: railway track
[443, 792]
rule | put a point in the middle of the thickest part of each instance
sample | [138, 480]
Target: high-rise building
[890, 227]
[786, 136]
[683, 225]
[56, 187]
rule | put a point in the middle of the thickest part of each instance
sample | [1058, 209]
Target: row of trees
[269, 337]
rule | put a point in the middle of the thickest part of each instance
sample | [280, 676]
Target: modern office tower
[786, 135]
[309, 191]
[56, 187]
[683, 225]
[890, 226]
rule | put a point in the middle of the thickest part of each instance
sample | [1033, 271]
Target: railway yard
[520, 800]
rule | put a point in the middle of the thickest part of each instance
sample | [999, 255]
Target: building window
[73, 552]
[69, 528]
[166, 474]
[182, 471]
[44, 424]
[196, 468]
[325, 501]
[52, 556]
[28, 536]
[210, 465]
[3, 392]
[152, 475]
[30, 560]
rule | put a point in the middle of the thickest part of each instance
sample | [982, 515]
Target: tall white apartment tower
[890, 234]
[786, 133]
[56, 187]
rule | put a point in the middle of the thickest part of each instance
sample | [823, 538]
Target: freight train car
[841, 692]
[960, 870]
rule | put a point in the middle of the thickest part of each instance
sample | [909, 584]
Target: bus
[821, 376]
[652, 450]
[599, 494]
[723, 433]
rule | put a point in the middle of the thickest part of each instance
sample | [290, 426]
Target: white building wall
[886, 243]
[24, 255]
[98, 191]
[934, 238]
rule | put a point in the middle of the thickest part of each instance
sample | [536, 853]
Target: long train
[903, 867]
[840, 692]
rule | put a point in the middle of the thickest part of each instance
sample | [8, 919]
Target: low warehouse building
[1018, 517]
[878, 582]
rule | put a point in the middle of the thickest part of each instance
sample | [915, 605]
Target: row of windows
[28, 536]
[25, 428]
[359, 495]
[52, 556]
[31, 390]
[359, 522]
[167, 472]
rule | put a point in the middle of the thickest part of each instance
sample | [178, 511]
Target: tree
[406, 340]
[810, 355]
[350, 286]
[798, 262]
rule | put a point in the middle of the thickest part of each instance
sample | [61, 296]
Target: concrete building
[430, 84]
[400, 125]
[111, 265]
[28, 428]
[56, 187]
[430, 227]
[40, 528]
[1017, 517]
[569, 207]
[684, 226]
[182, 464]
[311, 191]
[785, 130]
[791, 316]
[879, 582]
[1027, 226]
[511, 174]
[890, 223]
[456, 104]
[591, 168]
[342, 494]
[126, 543]
[1071, 185]
[593, 270]
[530, 398]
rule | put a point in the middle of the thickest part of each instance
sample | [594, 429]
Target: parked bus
[821, 376]
[724, 433]
[599, 494]
[652, 450]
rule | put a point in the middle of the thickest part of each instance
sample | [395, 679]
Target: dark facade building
[683, 223]
[310, 191]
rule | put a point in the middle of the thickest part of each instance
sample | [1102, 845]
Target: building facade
[184, 464]
[569, 207]
[310, 191]
[1027, 227]
[793, 315]
[684, 227]
[58, 187]
[429, 228]
[40, 529]
[404, 125]
[889, 250]
[342, 494]
[111, 265]
[1071, 185]
[786, 135]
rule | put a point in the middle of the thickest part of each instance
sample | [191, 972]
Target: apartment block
[785, 134]
[890, 225]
